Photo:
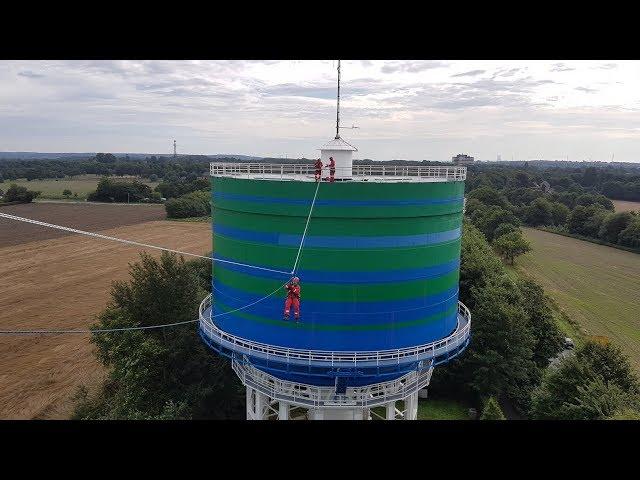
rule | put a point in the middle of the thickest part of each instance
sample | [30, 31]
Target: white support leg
[250, 404]
[317, 414]
[391, 411]
[283, 411]
[261, 405]
[411, 407]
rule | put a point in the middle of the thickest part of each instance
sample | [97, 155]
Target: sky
[417, 110]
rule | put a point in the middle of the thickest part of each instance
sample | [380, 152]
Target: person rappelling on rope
[293, 299]
[318, 166]
[332, 169]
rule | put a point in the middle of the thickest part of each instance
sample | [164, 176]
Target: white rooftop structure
[341, 152]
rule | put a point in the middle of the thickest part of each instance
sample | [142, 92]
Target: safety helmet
[295, 280]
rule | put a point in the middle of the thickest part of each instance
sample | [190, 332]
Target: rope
[149, 327]
[96, 235]
[304, 234]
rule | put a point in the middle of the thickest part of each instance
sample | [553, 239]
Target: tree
[505, 228]
[160, 373]
[586, 220]
[630, 236]
[593, 384]
[559, 213]
[67, 193]
[19, 194]
[614, 224]
[539, 212]
[194, 204]
[489, 196]
[511, 245]
[487, 219]
[492, 410]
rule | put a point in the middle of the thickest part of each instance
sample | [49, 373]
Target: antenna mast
[175, 154]
[338, 110]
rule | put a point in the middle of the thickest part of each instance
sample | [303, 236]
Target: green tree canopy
[510, 245]
[492, 410]
[160, 373]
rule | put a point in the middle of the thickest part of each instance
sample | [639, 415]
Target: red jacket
[293, 291]
[318, 164]
[332, 164]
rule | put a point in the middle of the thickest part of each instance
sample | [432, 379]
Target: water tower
[378, 256]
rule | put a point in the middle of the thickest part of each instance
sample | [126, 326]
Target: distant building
[462, 159]
[499, 159]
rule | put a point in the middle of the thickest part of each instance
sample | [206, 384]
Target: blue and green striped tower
[379, 272]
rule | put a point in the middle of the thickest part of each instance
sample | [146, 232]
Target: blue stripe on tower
[335, 203]
[322, 276]
[338, 241]
[229, 295]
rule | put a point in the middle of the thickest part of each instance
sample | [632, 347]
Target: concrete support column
[391, 411]
[250, 404]
[283, 411]
[261, 403]
[317, 414]
[411, 407]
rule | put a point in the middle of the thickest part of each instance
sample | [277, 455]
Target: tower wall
[379, 269]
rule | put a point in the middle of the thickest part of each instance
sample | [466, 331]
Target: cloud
[411, 67]
[470, 73]
[586, 90]
[561, 67]
[30, 74]
[608, 66]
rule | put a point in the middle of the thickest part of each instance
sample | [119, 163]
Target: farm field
[82, 216]
[64, 281]
[624, 206]
[82, 185]
[594, 285]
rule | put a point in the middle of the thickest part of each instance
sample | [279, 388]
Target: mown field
[52, 188]
[624, 206]
[596, 286]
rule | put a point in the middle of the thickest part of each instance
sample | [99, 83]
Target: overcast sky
[405, 109]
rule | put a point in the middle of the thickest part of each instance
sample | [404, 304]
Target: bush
[492, 411]
[19, 194]
[194, 204]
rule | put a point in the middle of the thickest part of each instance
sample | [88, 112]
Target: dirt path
[64, 282]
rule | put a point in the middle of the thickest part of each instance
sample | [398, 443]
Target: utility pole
[175, 153]
[338, 110]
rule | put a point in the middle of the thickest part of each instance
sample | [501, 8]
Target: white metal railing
[306, 172]
[301, 394]
[337, 358]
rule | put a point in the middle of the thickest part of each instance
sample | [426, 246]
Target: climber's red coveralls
[318, 166]
[293, 298]
[332, 168]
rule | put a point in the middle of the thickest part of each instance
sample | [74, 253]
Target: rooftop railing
[362, 173]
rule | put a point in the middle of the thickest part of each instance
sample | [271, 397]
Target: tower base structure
[272, 398]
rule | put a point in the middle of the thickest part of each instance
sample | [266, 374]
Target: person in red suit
[332, 168]
[318, 166]
[293, 299]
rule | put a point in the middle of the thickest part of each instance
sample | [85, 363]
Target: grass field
[433, 409]
[53, 188]
[595, 286]
[624, 206]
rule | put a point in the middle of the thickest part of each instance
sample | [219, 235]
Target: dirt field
[88, 217]
[596, 285]
[624, 206]
[63, 282]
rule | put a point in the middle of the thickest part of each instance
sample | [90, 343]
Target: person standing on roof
[318, 166]
[293, 299]
[332, 169]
